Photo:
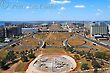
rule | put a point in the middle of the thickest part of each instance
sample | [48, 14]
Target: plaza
[52, 64]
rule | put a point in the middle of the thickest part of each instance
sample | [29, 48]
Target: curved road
[10, 43]
[106, 46]
[13, 42]
[41, 42]
[65, 43]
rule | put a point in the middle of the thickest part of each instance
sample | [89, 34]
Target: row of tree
[90, 56]
[9, 58]
[12, 57]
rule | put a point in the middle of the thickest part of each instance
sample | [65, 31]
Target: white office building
[99, 29]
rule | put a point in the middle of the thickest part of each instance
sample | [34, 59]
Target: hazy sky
[35, 10]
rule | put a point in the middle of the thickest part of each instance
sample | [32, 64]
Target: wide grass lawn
[42, 36]
[22, 67]
[101, 48]
[3, 53]
[29, 41]
[75, 41]
[56, 39]
[54, 42]
[53, 39]
[82, 61]
[1, 71]
[26, 44]
[50, 51]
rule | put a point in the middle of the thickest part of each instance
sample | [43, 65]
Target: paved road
[106, 46]
[40, 41]
[65, 43]
[10, 43]
[99, 43]
[54, 46]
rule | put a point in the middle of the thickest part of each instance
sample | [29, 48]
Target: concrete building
[99, 29]
[11, 31]
[2, 33]
[88, 24]
[29, 30]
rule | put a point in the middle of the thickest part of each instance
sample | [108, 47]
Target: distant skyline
[50, 10]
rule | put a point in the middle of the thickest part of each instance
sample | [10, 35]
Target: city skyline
[48, 10]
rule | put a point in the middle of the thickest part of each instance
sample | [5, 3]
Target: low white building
[7, 40]
[29, 30]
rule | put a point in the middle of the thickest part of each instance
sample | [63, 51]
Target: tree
[84, 66]
[24, 58]
[87, 32]
[82, 53]
[10, 56]
[77, 57]
[102, 55]
[31, 55]
[95, 71]
[95, 64]
[2, 63]
[99, 55]
[1, 40]
[89, 56]
[70, 49]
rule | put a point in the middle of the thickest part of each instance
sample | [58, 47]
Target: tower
[53, 22]
[5, 31]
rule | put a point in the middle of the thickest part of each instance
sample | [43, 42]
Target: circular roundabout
[52, 64]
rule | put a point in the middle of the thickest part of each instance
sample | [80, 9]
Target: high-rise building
[2, 33]
[12, 31]
[109, 28]
[88, 24]
[99, 29]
